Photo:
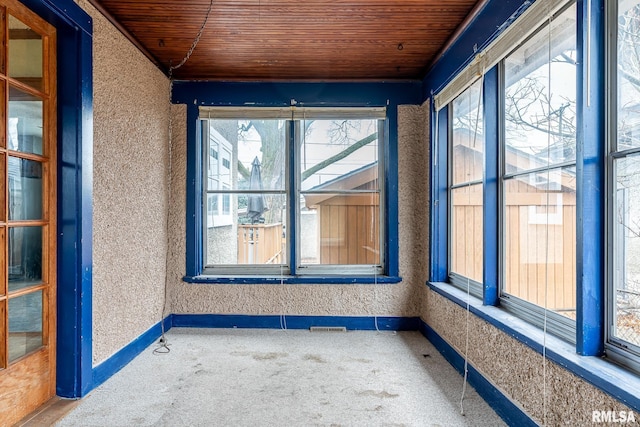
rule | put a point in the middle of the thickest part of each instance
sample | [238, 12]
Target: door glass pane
[3, 195]
[339, 209]
[540, 97]
[240, 227]
[25, 53]
[25, 122]
[3, 331]
[626, 251]
[628, 85]
[25, 324]
[25, 189]
[540, 239]
[3, 262]
[25, 257]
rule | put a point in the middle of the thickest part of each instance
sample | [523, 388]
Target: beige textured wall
[516, 369]
[402, 299]
[131, 111]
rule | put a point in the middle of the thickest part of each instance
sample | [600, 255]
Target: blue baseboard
[505, 408]
[119, 360]
[361, 323]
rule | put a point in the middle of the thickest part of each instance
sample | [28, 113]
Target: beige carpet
[251, 377]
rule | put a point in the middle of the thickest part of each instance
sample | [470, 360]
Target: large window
[624, 209]
[466, 156]
[539, 174]
[293, 195]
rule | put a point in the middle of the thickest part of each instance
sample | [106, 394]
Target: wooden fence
[260, 244]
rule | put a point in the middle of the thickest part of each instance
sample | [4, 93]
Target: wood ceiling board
[290, 39]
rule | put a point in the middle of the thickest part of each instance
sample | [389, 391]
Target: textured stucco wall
[131, 111]
[401, 299]
[516, 369]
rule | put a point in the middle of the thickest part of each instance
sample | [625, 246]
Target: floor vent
[328, 329]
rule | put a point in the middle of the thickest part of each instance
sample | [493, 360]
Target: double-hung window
[623, 308]
[539, 176]
[466, 166]
[293, 191]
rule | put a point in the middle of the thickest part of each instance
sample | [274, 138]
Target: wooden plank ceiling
[268, 40]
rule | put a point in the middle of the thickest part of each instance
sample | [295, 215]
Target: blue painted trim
[292, 198]
[590, 200]
[491, 204]
[119, 360]
[306, 94]
[439, 196]
[75, 185]
[360, 323]
[62, 13]
[492, 20]
[390, 151]
[504, 407]
[608, 377]
[293, 280]
[194, 258]
[310, 94]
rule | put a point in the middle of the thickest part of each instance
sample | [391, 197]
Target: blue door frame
[75, 170]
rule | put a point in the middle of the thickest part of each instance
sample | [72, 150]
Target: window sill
[293, 280]
[603, 374]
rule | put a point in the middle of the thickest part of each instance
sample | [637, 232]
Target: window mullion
[293, 191]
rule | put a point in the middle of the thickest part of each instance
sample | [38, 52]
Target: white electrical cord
[163, 347]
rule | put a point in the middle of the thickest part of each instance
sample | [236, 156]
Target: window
[539, 175]
[623, 335]
[301, 195]
[466, 158]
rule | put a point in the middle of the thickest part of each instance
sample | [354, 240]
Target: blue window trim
[590, 241]
[294, 280]
[590, 171]
[439, 195]
[255, 94]
[491, 198]
[75, 186]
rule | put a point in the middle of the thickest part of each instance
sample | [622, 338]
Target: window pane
[540, 239]
[25, 324]
[241, 237]
[540, 97]
[339, 211]
[245, 154]
[467, 135]
[340, 228]
[245, 228]
[25, 257]
[628, 82]
[466, 232]
[25, 53]
[25, 122]
[339, 155]
[626, 251]
[25, 189]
